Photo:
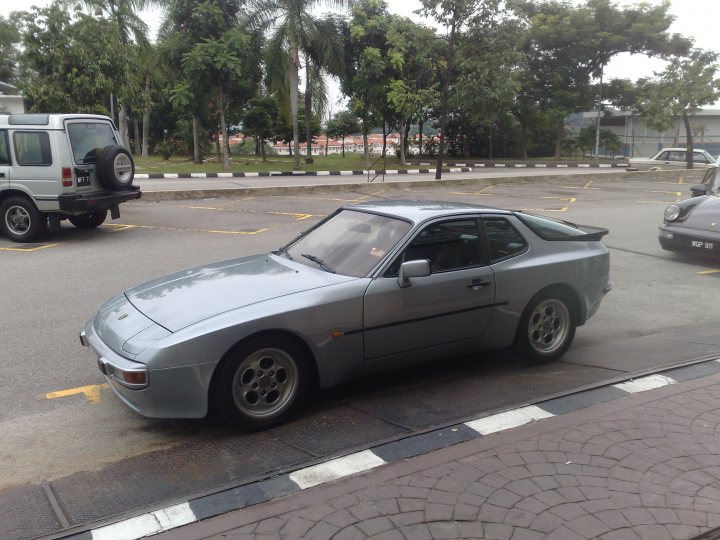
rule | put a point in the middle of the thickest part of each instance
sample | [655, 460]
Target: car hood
[184, 298]
[705, 216]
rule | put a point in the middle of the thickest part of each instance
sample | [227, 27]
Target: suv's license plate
[702, 245]
[83, 180]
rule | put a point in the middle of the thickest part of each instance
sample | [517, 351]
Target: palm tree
[295, 28]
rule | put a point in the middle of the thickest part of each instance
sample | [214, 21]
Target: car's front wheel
[20, 220]
[262, 382]
[547, 327]
[89, 221]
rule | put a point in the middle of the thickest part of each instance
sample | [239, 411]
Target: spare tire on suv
[115, 168]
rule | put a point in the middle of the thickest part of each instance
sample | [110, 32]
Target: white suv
[60, 166]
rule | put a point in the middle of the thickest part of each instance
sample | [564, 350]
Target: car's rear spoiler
[592, 234]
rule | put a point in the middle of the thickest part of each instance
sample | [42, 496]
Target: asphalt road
[58, 420]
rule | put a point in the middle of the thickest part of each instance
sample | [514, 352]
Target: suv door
[452, 304]
[4, 160]
[87, 138]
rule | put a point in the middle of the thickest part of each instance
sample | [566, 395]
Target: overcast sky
[697, 19]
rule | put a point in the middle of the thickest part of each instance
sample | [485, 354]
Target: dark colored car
[693, 225]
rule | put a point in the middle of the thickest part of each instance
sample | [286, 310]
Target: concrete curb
[533, 165]
[210, 193]
[163, 176]
[212, 505]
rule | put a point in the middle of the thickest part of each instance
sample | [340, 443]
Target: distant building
[10, 101]
[639, 140]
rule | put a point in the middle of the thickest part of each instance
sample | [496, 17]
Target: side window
[503, 238]
[4, 151]
[664, 156]
[678, 156]
[449, 245]
[699, 157]
[32, 148]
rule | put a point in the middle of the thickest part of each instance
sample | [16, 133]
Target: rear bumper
[96, 201]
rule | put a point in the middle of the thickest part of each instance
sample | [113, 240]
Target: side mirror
[412, 269]
[698, 190]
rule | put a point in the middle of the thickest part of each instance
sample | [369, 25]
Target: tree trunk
[123, 126]
[262, 150]
[223, 133]
[688, 139]
[558, 140]
[384, 148]
[308, 113]
[294, 64]
[136, 131]
[421, 125]
[343, 145]
[444, 104]
[197, 154]
[402, 141]
[145, 131]
[406, 137]
[366, 149]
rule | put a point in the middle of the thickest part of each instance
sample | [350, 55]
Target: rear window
[88, 138]
[549, 229]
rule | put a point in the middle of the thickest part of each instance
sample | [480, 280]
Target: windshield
[350, 243]
[88, 138]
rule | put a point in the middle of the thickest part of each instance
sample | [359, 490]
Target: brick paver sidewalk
[642, 467]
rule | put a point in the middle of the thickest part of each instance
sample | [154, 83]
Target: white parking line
[147, 524]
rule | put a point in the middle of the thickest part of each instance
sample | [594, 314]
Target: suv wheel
[115, 168]
[88, 221]
[20, 220]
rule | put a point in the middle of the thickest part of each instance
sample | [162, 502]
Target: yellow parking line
[295, 215]
[708, 272]
[587, 186]
[681, 180]
[212, 231]
[118, 227]
[480, 192]
[31, 249]
[91, 392]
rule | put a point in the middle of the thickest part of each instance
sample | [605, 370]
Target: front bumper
[690, 241]
[97, 201]
[180, 392]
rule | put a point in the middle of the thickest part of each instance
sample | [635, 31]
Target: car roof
[418, 211]
[44, 120]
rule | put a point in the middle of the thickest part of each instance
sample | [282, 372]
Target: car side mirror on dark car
[413, 269]
[698, 190]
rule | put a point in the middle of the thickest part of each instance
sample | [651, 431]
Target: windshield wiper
[283, 251]
[319, 262]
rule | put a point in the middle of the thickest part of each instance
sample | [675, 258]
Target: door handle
[479, 284]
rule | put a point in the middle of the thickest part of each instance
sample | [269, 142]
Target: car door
[452, 304]
[4, 160]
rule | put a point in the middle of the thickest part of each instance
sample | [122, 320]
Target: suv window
[32, 148]
[503, 238]
[4, 152]
[450, 245]
[88, 138]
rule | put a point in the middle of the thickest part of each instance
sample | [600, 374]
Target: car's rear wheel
[20, 220]
[262, 382]
[115, 168]
[547, 327]
[89, 221]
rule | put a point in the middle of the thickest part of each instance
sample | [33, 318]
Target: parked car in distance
[693, 226]
[372, 287]
[60, 166]
[671, 158]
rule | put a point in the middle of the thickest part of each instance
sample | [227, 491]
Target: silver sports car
[372, 287]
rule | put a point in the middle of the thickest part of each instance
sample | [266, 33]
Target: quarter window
[32, 148]
[449, 245]
[503, 238]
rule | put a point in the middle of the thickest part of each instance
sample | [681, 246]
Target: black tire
[547, 327]
[20, 220]
[89, 221]
[115, 168]
[261, 383]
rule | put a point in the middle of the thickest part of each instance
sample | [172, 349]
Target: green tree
[294, 25]
[258, 120]
[9, 42]
[686, 85]
[341, 125]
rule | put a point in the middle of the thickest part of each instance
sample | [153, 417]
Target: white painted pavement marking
[345, 173]
[171, 175]
[541, 165]
[142, 176]
[323, 173]
[225, 175]
[586, 165]
[508, 419]
[336, 468]
[413, 171]
[147, 524]
[198, 175]
[391, 171]
[252, 174]
[644, 383]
